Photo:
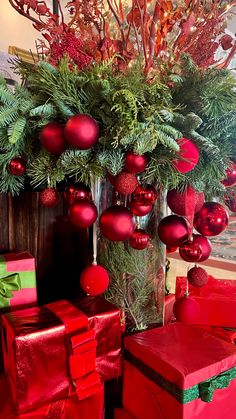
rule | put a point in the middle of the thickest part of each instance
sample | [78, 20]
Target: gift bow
[207, 388]
[8, 284]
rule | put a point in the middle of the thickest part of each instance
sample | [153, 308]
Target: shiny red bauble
[197, 276]
[190, 251]
[49, 197]
[94, 280]
[77, 191]
[189, 156]
[186, 310]
[170, 249]
[52, 138]
[230, 201]
[211, 220]
[230, 179]
[83, 213]
[145, 195]
[139, 210]
[140, 239]
[173, 230]
[116, 223]
[125, 183]
[16, 166]
[81, 132]
[135, 163]
[205, 245]
[181, 202]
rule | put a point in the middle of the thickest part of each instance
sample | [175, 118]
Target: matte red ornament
[139, 239]
[211, 220]
[197, 276]
[94, 280]
[139, 210]
[125, 183]
[230, 179]
[49, 197]
[77, 191]
[177, 201]
[173, 230]
[81, 132]
[189, 156]
[16, 166]
[205, 245]
[83, 213]
[52, 138]
[230, 201]
[186, 310]
[145, 195]
[135, 163]
[190, 251]
[116, 223]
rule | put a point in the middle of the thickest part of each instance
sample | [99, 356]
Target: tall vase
[137, 277]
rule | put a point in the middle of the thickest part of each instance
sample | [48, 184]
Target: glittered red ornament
[49, 197]
[173, 230]
[226, 42]
[145, 195]
[139, 210]
[135, 163]
[139, 239]
[189, 156]
[52, 138]
[178, 201]
[81, 131]
[230, 179]
[190, 251]
[211, 220]
[125, 183]
[116, 223]
[77, 191]
[230, 201]
[197, 276]
[94, 280]
[186, 310]
[16, 166]
[205, 245]
[83, 213]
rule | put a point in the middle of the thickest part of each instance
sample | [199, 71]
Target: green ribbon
[7, 285]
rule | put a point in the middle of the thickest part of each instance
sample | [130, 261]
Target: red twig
[152, 36]
[23, 13]
[118, 21]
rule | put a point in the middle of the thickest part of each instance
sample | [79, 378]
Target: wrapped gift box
[181, 372]
[229, 335]
[121, 413]
[216, 299]
[71, 408]
[37, 351]
[168, 308]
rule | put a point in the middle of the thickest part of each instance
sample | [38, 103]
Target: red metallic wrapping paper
[71, 408]
[121, 413]
[216, 299]
[229, 335]
[168, 308]
[182, 355]
[36, 351]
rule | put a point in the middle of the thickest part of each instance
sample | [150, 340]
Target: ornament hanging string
[95, 190]
[189, 201]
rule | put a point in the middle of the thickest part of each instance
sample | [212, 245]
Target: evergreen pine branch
[7, 115]
[46, 110]
[16, 130]
[44, 170]
[6, 96]
[10, 183]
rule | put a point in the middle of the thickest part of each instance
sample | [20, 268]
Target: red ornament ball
[211, 220]
[83, 213]
[230, 179]
[139, 239]
[170, 249]
[16, 166]
[178, 201]
[139, 210]
[125, 183]
[135, 163]
[52, 138]
[49, 197]
[189, 156]
[173, 230]
[190, 251]
[205, 245]
[197, 276]
[145, 195]
[81, 131]
[94, 280]
[116, 223]
[186, 310]
[230, 201]
[77, 191]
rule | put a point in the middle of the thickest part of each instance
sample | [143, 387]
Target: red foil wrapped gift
[121, 413]
[168, 308]
[216, 299]
[179, 372]
[41, 362]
